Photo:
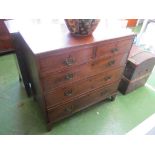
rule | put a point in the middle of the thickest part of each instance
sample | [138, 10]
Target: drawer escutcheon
[114, 50]
[110, 63]
[107, 78]
[69, 76]
[69, 61]
[68, 92]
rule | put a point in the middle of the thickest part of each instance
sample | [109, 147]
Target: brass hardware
[69, 61]
[68, 92]
[110, 63]
[69, 76]
[114, 50]
[69, 109]
[107, 78]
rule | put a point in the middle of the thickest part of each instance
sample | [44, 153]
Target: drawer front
[58, 60]
[90, 98]
[80, 87]
[133, 71]
[126, 86]
[53, 80]
[65, 59]
[114, 48]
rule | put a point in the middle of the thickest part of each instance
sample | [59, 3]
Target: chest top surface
[45, 37]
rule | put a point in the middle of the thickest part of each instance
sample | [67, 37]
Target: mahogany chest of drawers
[68, 74]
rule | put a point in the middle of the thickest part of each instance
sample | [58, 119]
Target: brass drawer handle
[69, 61]
[110, 63]
[69, 76]
[68, 92]
[107, 78]
[114, 50]
[69, 109]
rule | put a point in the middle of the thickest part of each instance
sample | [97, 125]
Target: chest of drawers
[68, 74]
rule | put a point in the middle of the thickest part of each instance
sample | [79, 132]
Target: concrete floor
[21, 115]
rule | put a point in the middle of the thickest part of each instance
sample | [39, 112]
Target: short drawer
[69, 91]
[114, 48]
[82, 102]
[57, 60]
[53, 80]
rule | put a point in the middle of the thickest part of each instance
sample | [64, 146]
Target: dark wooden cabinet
[6, 44]
[138, 69]
[68, 74]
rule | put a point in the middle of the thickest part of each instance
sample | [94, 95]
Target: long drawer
[69, 91]
[68, 58]
[91, 98]
[53, 80]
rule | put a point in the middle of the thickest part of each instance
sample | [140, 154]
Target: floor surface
[21, 115]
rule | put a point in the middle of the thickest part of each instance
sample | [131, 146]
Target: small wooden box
[127, 86]
[137, 71]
